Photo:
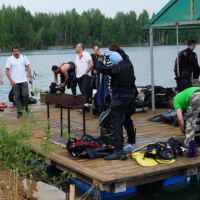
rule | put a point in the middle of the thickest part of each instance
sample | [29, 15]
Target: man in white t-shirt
[16, 66]
[83, 68]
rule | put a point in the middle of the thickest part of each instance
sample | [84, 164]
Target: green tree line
[42, 30]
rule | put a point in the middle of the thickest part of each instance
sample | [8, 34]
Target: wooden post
[72, 192]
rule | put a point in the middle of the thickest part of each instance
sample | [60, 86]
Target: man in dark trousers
[16, 66]
[122, 105]
[83, 68]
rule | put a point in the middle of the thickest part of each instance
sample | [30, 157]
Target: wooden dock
[106, 175]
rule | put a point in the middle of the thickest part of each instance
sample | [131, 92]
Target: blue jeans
[21, 94]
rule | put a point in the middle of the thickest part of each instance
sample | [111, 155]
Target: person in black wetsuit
[122, 105]
[188, 62]
[95, 76]
[95, 55]
[67, 76]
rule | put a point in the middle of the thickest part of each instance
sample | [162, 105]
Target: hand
[12, 83]
[30, 80]
[183, 130]
[62, 85]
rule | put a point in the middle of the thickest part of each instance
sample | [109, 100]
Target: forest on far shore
[65, 30]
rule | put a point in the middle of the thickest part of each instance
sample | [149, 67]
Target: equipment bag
[88, 147]
[141, 105]
[162, 96]
[165, 150]
[54, 88]
[159, 150]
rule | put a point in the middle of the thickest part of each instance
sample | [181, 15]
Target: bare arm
[55, 78]
[64, 72]
[90, 65]
[9, 77]
[29, 73]
[180, 119]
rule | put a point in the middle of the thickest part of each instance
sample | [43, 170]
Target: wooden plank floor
[99, 171]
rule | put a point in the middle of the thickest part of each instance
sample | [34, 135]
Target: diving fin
[147, 162]
[165, 161]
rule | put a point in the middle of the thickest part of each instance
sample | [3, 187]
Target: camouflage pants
[192, 115]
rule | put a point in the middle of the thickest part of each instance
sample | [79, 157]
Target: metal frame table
[65, 101]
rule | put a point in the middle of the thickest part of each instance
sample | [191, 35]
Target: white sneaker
[128, 147]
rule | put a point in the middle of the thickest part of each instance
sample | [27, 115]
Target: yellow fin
[147, 162]
[165, 161]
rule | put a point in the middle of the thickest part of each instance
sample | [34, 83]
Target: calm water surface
[164, 56]
[41, 62]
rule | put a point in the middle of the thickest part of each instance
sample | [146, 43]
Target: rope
[84, 196]
[97, 195]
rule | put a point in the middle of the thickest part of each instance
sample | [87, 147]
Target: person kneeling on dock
[67, 76]
[122, 105]
[187, 100]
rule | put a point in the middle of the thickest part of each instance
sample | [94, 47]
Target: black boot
[115, 156]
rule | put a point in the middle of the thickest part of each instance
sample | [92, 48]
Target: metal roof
[184, 13]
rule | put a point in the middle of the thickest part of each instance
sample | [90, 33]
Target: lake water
[164, 56]
[41, 62]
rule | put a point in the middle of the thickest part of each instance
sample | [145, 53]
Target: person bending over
[188, 100]
[67, 76]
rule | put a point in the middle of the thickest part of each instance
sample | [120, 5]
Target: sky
[107, 7]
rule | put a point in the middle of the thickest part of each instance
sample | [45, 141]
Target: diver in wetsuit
[188, 62]
[122, 105]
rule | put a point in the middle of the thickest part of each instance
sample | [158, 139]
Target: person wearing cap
[122, 105]
[187, 100]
